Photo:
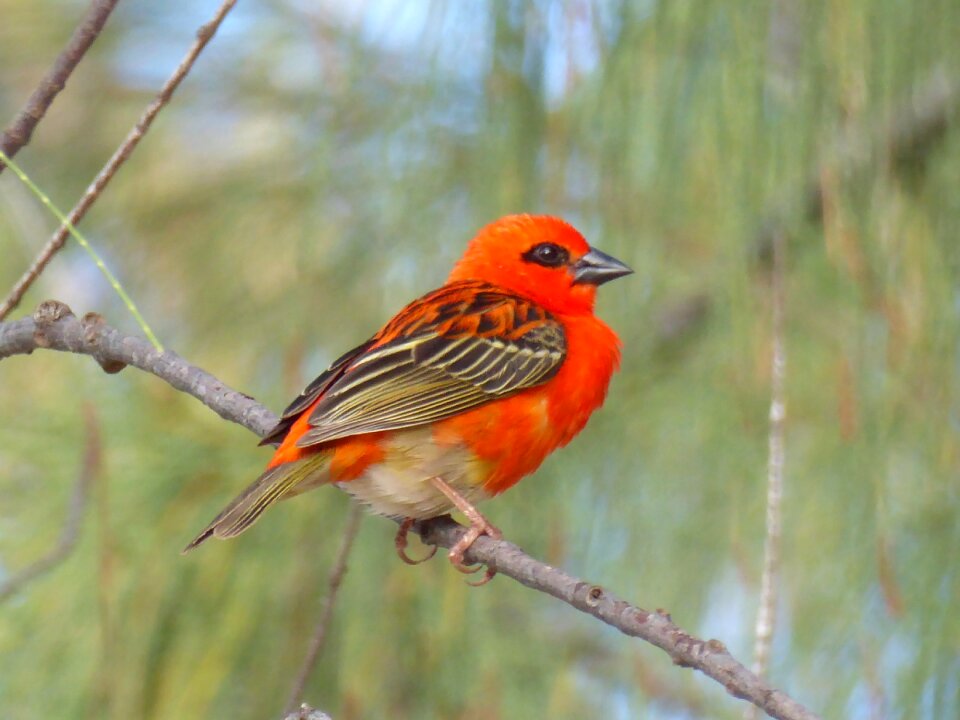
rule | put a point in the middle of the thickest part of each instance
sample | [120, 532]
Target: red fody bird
[464, 392]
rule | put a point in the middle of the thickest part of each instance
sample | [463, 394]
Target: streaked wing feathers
[459, 347]
[494, 364]
[310, 395]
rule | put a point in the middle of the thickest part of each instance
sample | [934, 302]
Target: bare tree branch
[119, 157]
[710, 657]
[20, 129]
[70, 535]
[784, 45]
[319, 640]
[767, 607]
[55, 327]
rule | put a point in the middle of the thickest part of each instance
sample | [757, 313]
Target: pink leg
[479, 525]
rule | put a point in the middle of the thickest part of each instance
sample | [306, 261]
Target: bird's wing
[310, 394]
[461, 346]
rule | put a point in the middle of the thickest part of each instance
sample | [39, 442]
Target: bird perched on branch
[464, 392]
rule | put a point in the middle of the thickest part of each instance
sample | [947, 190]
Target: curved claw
[487, 577]
[457, 561]
[400, 542]
[457, 552]
[416, 561]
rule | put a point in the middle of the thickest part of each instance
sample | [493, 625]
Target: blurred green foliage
[325, 163]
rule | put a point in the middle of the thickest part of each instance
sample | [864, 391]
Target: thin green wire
[114, 283]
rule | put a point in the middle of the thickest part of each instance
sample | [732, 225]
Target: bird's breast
[514, 435]
[397, 484]
[485, 450]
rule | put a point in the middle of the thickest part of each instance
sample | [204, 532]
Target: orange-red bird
[461, 394]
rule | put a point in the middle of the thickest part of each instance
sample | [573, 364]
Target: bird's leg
[400, 542]
[479, 525]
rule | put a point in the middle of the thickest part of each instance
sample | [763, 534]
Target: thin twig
[767, 609]
[20, 129]
[319, 639]
[305, 712]
[82, 241]
[119, 157]
[70, 535]
[54, 327]
[710, 657]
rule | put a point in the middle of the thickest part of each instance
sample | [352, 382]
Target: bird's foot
[479, 525]
[400, 542]
[476, 529]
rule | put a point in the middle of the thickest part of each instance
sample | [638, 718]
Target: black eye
[547, 254]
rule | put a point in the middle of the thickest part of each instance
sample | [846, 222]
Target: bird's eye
[547, 254]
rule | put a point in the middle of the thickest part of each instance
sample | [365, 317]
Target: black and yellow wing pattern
[452, 350]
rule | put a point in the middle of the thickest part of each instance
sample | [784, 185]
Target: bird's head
[539, 257]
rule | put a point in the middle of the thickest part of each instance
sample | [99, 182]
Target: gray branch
[20, 130]
[53, 326]
[116, 161]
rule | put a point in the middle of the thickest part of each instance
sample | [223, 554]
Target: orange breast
[514, 435]
[510, 437]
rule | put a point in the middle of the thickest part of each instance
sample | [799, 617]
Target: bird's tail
[276, 483]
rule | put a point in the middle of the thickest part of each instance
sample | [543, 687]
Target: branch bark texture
[116, 161]
[54, 327]
[19, 131]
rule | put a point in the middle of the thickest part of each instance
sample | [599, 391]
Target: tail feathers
[275, 484]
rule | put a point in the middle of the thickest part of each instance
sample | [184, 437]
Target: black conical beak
[596, 268]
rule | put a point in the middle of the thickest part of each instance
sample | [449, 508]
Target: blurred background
[324, 163]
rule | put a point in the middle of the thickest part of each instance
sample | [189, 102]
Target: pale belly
[400, 485]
